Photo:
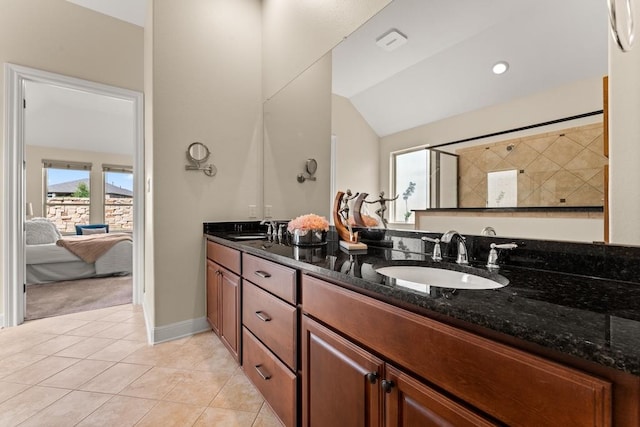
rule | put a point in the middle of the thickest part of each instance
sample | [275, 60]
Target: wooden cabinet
[512, 386]
[345, 385]
[270, 333]
[223, 295]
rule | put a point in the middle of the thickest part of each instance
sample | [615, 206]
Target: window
[118, 197]
[410, 183]
[67, 197]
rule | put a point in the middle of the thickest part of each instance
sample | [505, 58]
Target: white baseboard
[180, 329]
[147, 322]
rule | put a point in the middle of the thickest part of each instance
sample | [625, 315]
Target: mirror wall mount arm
[197, 155]
[310, 169]
[624, 40]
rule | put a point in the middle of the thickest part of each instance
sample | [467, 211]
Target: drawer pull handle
[262, 374]
[260, 315]
[262, 274]
[386, 385]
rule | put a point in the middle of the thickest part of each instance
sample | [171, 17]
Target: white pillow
[101, 230]
[40, 232]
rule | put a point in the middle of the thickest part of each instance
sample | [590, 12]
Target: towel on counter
[91, 247]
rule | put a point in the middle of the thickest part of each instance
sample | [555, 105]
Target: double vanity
[550, 337]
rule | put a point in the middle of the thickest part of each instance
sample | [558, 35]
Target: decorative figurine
[383, 206]
[349, 239]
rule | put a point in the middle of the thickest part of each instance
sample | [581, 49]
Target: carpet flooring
[72, 296]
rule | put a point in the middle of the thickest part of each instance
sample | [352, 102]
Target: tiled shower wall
[560, 168]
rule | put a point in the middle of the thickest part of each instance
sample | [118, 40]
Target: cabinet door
[408, 403]
[340, 381]
[213, 296]
[230, 311]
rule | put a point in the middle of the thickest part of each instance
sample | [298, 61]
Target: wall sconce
[310, 168]
[197, 154]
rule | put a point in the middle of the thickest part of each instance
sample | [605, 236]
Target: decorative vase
[308, 237]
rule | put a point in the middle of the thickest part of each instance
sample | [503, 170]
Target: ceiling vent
[391, 40]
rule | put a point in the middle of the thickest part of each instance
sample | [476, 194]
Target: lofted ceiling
[444, 69]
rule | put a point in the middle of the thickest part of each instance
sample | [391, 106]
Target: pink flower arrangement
[308, 222]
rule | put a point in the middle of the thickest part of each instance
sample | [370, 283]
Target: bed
[48, 262]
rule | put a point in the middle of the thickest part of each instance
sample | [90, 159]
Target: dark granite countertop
[590, 318]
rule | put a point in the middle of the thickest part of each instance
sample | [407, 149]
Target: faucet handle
[437, 252]
[492, 260]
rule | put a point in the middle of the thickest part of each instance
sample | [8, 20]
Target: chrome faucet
[437, 252]
[272, 227]
[463, 257]
[492, 260]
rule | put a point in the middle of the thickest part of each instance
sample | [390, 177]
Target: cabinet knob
[262, 316]
[386, 385]
[372, 377]
[264, 376]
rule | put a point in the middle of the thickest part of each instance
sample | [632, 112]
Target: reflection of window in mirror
[411, 183]
[502, 189]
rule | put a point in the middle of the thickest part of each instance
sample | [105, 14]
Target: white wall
[35, 188]
[357, 149]
[297, 33]
[580, 97]
[58, 36]
[206, 86]
[624, 143]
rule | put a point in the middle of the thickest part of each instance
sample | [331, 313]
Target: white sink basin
[420, 278]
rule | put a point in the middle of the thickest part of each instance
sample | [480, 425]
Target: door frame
[14, 274]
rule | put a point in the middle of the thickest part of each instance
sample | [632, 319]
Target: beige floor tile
[90, 329]
[41, 370]
[239, 394]
[139, 335]
[118, 316]
[76, 375]
[29, 402]
[117, 351]
[93, 314]
[198, 388]
[68, 410]
[185, 357]
[15, 343]
[225, 417]
[85, 347]
[12, 363]
[54, 325]
[116, 378]
[54, 345]
[152, 355]
[119, 411]
[155, 383]
[266, 418]
[220, 361]
[119, 330]
[170, 414]
[8, 390]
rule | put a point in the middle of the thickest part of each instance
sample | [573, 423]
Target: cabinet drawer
[279, 280]
[513, 386]
[227, 257]
[271, 377]
[272, 320]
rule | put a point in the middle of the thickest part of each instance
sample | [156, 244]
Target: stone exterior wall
[76, 210]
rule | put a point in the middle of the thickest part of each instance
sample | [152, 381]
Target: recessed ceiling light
[500, 67]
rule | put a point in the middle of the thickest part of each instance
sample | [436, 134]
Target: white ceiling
[132, 11]
[76, 120]
[445, 67]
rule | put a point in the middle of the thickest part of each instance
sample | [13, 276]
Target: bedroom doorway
[17, 206]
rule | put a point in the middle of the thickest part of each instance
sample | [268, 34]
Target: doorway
[17, 78]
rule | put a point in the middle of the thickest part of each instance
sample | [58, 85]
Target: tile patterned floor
[95, 369]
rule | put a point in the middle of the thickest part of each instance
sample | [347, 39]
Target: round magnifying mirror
[312, 166]
[198, 152]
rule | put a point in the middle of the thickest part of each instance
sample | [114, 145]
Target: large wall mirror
[419, 73]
